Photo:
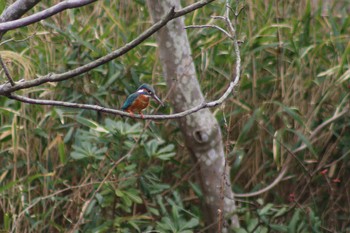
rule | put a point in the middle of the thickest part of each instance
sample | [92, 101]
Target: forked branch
[8, 89]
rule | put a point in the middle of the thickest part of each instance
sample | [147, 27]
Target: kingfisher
[138, 101]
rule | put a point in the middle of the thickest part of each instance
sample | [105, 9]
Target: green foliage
[175, 221]
[137, 174]
[272, 218]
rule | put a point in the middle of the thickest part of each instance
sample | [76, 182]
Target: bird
[139, 100]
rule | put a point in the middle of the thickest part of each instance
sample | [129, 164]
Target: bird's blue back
[131, 98]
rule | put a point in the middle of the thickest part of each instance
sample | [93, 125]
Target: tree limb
[17, 9]
[68, 4]
[122, 113]
[6, 89]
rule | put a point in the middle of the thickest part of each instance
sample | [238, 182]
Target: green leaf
[167, 224]
[68, 135]
[91, 124]
[196, 189]
[60, 114]
[191, 224]
[166, 156]
[62, 153]
[127, 201]
[265, 209]
[292, 112]
[41, 133]
[133, 130]
[168, 148]
[252, 224]
[90, 207]
[154, 211]
[7, 186]
[152, 147]
[304, 140]
[104, 227]
[7, 222]
[345, 76]
[134, 225]
[119, 193]
[77, 155]
[247, 126]
[293, 224]
[175, 215]
[281, 212]
[134, 195]
[276, 149]
[279, 228]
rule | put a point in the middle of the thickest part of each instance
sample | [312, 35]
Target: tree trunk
[200, 130]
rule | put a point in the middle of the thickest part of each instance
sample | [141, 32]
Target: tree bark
[16, 10]
[201, 131]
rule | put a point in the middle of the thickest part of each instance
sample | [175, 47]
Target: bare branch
[218, 17]
[17, 9]
[210, 26]
[5, 89]
[68, 4]
[7, 73]
[122, 113]
[21, 40]
[232, 35]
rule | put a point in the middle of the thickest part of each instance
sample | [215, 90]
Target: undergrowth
[294, 78]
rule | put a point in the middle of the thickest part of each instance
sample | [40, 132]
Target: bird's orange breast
[139, 104]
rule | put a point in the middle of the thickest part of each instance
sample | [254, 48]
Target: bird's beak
[157, 99]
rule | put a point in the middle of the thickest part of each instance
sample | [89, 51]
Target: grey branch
[7, 73]
[122, 113]
[68, 4]
[6, 89]
[17, 9]
[210, 26]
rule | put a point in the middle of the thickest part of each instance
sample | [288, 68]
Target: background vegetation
[294, 78]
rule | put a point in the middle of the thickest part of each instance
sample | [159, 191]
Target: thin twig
[7, 73]
[21, 40]
[210, 26]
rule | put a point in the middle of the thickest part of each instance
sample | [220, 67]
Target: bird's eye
[150, 92]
